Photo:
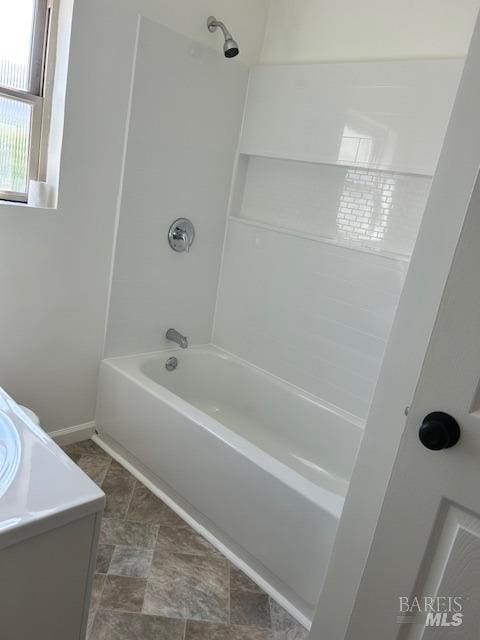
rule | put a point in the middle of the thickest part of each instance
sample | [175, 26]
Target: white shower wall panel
[186, 112]
[388, 115]
[313, 313]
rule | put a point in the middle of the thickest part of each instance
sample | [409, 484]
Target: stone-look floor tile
[90, 621]
[125, 594]
[128, 534]
[182, 540]
[146, 507]
[95, 598]
[97, 591]
[188, 586]
[213, 631]
[94, 466]
[241, 582]
[118, 487]
[85, 447]
[104, 556]
[115, 625]
[170, 519]
[131, 561]
[250, 608]
[284, 626]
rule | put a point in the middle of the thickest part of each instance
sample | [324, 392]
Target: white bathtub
[260, 465]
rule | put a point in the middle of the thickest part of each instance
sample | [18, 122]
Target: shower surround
[287, 295]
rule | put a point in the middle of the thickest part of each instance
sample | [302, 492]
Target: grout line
[91, 625]
[111, 558]
[149, 569]
[134, 486]
[229, 586]
[100, 596]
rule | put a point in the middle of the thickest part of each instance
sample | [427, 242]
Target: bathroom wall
[55, 265]
[185, 121]
[322, 30]
[315, 314]
[333, 176]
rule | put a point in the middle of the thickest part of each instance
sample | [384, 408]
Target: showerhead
[230, 48]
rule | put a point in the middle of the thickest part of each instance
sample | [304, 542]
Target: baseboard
[70, 435]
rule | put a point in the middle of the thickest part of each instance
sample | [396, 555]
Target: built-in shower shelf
[344, 153]
[362, 209]
[316, 160]
[321, 239]
[291, 156]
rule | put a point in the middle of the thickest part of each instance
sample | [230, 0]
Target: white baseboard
[70, 435]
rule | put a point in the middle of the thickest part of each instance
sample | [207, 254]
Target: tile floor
[157, 579]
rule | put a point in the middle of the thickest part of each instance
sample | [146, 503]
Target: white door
[427, 540]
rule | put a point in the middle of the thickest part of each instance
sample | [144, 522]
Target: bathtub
[257, 465]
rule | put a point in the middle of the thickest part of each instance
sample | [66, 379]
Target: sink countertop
[40, 487]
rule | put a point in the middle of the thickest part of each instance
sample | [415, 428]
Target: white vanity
[50, 514]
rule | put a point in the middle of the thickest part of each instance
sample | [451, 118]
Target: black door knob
[439, 431]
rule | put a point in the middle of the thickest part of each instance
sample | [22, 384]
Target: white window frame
[38, 95]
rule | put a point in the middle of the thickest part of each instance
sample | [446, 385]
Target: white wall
[388, 115]
[185, 121]
[318, 245]
[320, 30]
[315, 314]
[246, 19]
[55, 265]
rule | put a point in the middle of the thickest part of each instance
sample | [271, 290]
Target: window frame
[37, 96]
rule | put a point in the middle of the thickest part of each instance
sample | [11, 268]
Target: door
[427, 541]
[422, 576]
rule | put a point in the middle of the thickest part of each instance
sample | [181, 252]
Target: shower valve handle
[181, 235]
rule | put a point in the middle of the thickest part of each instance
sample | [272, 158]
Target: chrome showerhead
[230, 47]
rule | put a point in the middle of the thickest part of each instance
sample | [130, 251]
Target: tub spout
[175, 336]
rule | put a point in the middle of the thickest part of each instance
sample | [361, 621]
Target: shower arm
[213, 25]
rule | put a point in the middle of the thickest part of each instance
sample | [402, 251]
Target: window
[24, 30]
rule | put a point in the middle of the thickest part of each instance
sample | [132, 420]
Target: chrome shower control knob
[181, 235]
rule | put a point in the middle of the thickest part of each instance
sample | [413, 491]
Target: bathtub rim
[356, 421]
[318, 495]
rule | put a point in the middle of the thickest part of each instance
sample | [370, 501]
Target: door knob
[439, 431]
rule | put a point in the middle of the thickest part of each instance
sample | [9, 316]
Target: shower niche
[344, 152]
